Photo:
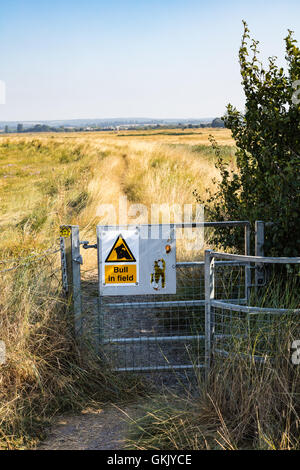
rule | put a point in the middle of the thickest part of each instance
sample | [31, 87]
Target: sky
[70, 59]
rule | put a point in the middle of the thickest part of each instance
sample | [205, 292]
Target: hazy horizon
[121, 118]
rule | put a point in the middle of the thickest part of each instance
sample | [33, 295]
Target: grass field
[52, 179]
[40, 175]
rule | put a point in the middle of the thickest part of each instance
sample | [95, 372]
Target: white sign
[132, 264]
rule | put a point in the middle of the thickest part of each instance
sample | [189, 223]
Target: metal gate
[157, 332]
[255, 330]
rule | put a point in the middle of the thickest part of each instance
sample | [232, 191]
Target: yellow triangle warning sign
[120, 252]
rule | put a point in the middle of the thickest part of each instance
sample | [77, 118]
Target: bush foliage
[266, 184]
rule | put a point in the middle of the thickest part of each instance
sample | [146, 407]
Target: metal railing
[230, 319]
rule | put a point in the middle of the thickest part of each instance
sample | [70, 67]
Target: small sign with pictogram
[120, 252]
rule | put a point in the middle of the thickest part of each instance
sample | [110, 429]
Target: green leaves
[266, 185]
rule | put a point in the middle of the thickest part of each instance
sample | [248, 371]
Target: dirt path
[103, 429]
[107, 428]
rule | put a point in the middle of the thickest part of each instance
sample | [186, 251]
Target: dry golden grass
[177, 136]
[35, 171]
[243, 404]
[52, 179]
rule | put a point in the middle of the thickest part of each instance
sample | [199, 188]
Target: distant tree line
[217, 122]
[40, 128]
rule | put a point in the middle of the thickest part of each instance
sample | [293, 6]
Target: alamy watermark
[296, 352]
[189, 220]
[2, 352]
[296, 94]
[2, 92]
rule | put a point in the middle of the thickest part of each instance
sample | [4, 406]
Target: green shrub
[266, 185]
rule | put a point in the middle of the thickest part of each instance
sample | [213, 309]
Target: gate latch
[86, 246]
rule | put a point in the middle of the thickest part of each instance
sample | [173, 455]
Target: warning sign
[120, 274]
[65, 231]
[120, 252]
[120, 258]
[136, 260]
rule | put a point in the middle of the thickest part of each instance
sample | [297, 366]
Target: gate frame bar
[71, 261]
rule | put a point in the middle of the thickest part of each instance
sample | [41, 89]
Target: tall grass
[46, 181]
[45, 372]
[244, 404]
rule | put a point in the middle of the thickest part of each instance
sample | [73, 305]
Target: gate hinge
[78, 259]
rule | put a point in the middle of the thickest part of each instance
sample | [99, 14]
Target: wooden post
[259, 251]
[71, 260]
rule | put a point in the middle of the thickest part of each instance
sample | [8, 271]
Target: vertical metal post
[209, 295]
[259, 250]
[76, 284]
[100, 312]
[70, 262]
[247, 267]
[66, 258]
[63, 259]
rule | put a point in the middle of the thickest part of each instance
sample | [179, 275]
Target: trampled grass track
[47, 180]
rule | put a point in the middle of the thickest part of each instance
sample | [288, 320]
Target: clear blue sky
[132, 58]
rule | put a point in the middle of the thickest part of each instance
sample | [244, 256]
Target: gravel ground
[103, 429]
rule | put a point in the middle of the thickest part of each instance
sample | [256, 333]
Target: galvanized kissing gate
[145, 309]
